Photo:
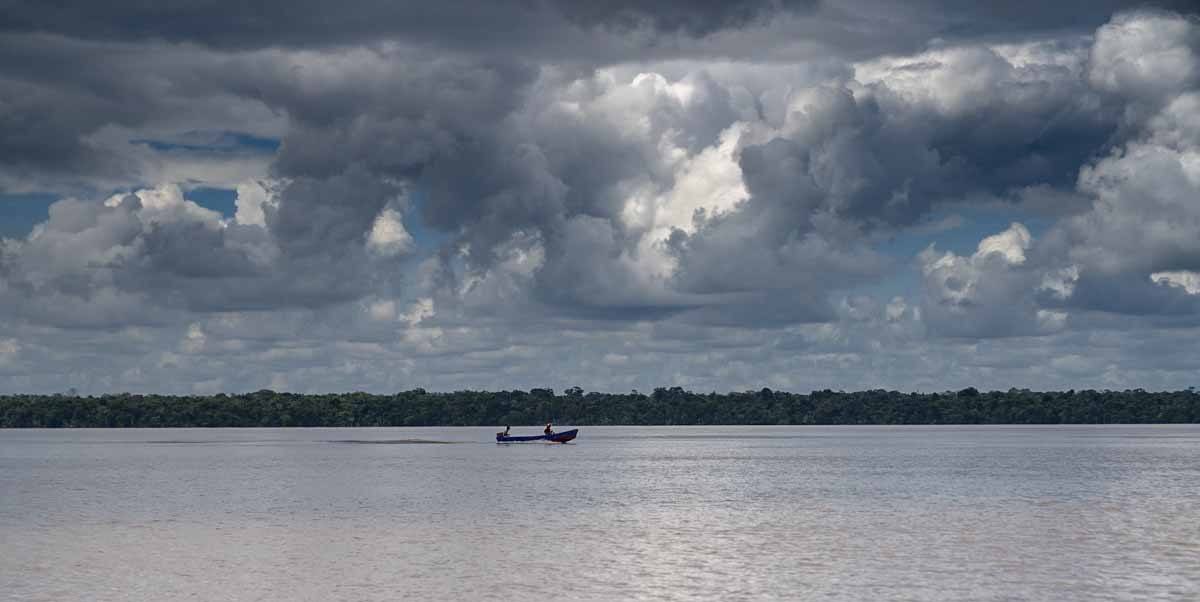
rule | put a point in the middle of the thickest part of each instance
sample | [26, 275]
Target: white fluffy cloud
[1188, 281]
[252, 196]
[388, 236]
[1145, 55]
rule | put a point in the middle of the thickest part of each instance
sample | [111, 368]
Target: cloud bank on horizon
[715, 195]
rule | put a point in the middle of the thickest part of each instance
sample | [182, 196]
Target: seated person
[548, 431]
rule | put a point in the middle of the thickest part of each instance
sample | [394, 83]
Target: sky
[199, 197]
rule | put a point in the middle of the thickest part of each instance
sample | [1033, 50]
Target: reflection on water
[393, 441]
[655, 513]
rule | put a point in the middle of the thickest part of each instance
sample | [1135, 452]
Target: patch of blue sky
[19, 213]
[221, 200]
[213, 142]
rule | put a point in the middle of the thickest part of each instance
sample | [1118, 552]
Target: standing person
[548, 429]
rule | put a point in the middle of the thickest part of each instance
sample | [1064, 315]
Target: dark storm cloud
[313, 23]
[990, 17]
[981, 123]
[43, 124]
[74, 109]
[59, 92]
[328, 215]
[559, 29]
[693, 16]
[251, 24]
[584, 270]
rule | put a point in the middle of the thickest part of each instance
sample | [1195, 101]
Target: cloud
[1010, 244]
[388, 236]
[455, 22]
[78, 115]
[141, 258]
[1147, 56]
[629, 195]
[990, 293]
[1142, 221]
[1131, 253]
[252, 197]
[317, 216]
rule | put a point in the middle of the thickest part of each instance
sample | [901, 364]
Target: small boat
[562, 437]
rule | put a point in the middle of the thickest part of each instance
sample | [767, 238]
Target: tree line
[664, 406]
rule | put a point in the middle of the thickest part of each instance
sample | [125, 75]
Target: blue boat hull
[562, 437]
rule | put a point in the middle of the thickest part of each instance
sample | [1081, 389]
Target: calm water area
[623, 513]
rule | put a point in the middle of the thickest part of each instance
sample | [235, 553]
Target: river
[623, 513]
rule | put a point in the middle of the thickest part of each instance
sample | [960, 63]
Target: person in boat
[505, 433]
[548, 430]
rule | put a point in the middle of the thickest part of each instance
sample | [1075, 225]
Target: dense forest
[575, 407]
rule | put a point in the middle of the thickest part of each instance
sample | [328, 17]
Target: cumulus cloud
[1133, 251]
[1188, 281]
[251, 197]
[142, 257]
[989, 293]
[388, 236]
[1144, 216]
[1146, 56]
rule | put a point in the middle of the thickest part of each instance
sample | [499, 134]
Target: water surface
[624, 513]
